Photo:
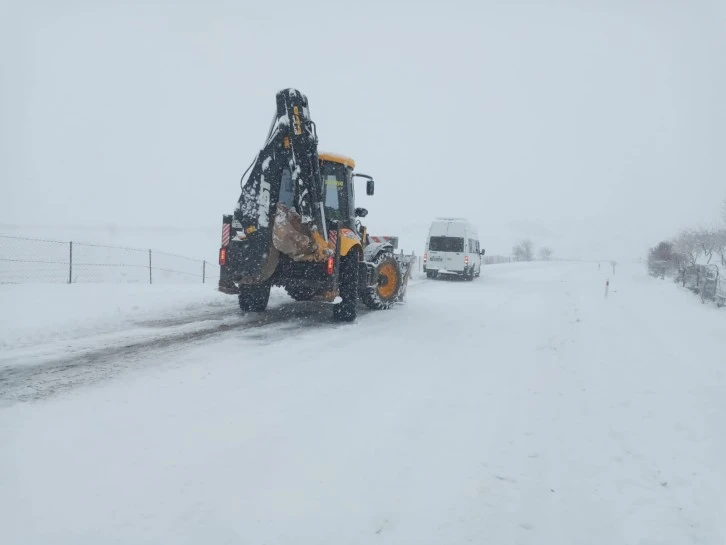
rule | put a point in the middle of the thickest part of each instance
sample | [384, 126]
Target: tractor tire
[254, 298]
[347, 309]
[299, 293]
[384, 294]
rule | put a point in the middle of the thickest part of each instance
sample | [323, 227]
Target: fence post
[149, 265]
[70, 262]
[204, 271]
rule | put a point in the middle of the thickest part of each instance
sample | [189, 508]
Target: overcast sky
[598, 128]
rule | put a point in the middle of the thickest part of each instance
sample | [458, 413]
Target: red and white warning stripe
[225, 234]
[333, 236]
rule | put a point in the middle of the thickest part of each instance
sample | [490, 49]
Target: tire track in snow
[23, 379]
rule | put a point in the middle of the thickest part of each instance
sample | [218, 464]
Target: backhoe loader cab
[296, 226]
[338, 190]
[337, 172]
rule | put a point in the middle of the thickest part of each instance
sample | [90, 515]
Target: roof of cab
[336, 158]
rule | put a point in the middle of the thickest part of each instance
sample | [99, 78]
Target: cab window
[335, 196]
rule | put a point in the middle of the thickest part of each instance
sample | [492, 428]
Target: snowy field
[524, 407]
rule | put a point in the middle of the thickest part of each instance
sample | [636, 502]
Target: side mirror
[361, 212]
[370, 187]
[483, 252]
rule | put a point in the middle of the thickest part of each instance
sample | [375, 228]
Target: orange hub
[387, 285]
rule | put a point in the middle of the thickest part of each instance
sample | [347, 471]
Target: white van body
[452, 248]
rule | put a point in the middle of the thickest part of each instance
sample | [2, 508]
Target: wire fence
[496, 259]
[32, 260]
[25, 260]
[706, 281]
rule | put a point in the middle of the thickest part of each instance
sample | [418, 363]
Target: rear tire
[469, 276]
[384, 294]
[432, 274]
[347, 309]
[299, 293]
[254, 297]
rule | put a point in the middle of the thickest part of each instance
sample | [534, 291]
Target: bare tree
[719, 245]
[528, 248]
[545, 253]
[518, 253]
[661, 259]
[706, 238]
[524, 251]
[687, 245]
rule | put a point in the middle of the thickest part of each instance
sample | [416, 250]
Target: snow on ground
[523, 407]
[44, 321]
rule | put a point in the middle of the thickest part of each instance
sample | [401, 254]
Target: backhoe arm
[289, 157]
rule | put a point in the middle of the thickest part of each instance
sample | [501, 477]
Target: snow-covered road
[524, 407]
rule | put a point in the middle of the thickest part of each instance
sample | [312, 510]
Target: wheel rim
[388, 287]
